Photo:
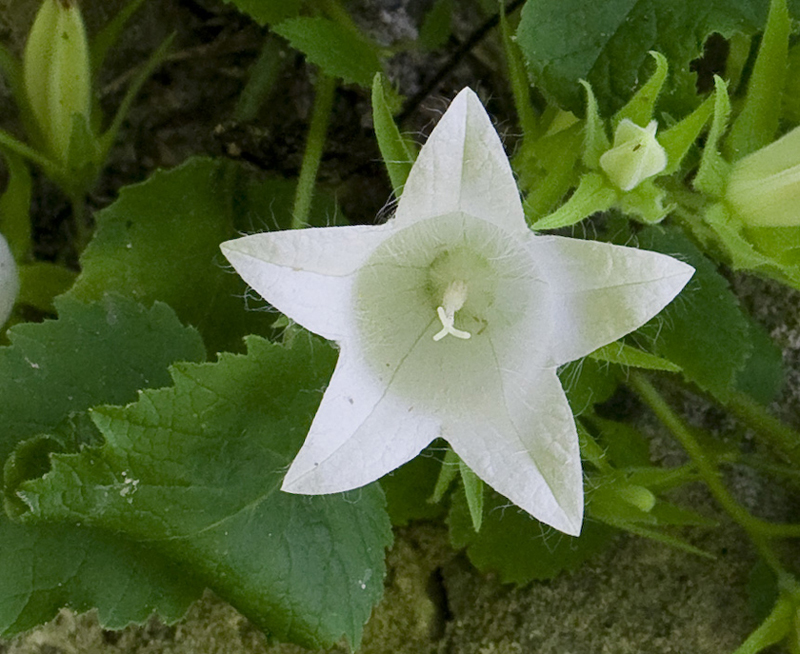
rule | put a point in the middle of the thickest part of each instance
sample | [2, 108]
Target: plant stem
[755, 416]
[323, 104]
[760, 532]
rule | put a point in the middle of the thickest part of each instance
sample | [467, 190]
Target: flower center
[454, 297]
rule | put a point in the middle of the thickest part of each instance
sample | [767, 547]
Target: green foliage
[705, 331]
[607, 43]
[160, 241]
[194, 471]
[268, 12]
[587, 382]
[515, 545]
[437, 25]
[92, 354]
[100, 353]
[757, 123]
[47, 567]
[409, 489]
[338, 51]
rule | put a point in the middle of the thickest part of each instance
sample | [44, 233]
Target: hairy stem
[323, 104]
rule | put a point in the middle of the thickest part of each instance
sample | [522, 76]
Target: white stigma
[455, 296]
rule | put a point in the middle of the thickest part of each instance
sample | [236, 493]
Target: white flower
[9, 281]
[452, 319]
[636, 155]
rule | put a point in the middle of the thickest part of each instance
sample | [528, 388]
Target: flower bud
[764, 187]
[57, 73]
[635, 156]
[9, 281]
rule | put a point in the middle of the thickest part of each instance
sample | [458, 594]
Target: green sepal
[83, 158]
[447, 474]
[713, 170]
[473, 490]
[757, 123]
[678, 139]
[547, 168]
[641, 106]
[595, 139]
[645, 202]
[591, 450]
[594, 194]
[398, 153]
[627, 355]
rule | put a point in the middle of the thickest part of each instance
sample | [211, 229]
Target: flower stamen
[455, 296]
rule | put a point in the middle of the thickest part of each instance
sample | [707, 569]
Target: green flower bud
[764, 187]
[57, 73]
[635, 156]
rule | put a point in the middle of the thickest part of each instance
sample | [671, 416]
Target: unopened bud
[764, 187]
[57, 72]
[635, 155]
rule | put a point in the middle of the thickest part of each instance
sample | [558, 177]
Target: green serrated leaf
[338, 51]
[194, 471]
[607, 43]
[704, 330]
[268, 12]
[92, 354]
[44, 568]
[160, 241]
[518, 547]
[41, 282]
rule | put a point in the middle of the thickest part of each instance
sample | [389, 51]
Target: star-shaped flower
[452, 319]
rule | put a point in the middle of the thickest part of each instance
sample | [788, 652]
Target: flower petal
[462, 167]
[526, 447]
[602, 291]
[307, 274]
[360, 432]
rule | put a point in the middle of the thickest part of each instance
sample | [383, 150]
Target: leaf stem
[780, 436]
[323, 104]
